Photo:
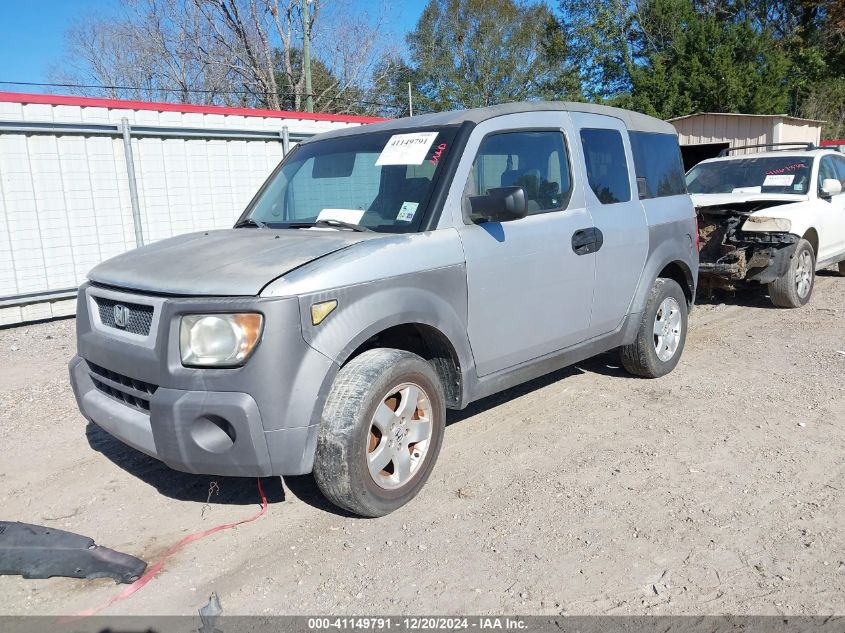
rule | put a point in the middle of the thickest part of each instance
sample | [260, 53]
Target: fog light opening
[213, 433]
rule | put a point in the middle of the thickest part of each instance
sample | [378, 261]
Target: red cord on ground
[153, 571]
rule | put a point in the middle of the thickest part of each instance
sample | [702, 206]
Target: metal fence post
[133, 184]
[285, 140]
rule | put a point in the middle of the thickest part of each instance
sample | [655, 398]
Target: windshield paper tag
[406, 149]
[407, 212]
[778, 180]
[353, 216]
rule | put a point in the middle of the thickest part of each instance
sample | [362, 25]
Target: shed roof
[633, 120]
[737, 114]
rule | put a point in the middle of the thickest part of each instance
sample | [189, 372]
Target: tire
[363, 425]
[842, 269]
[794, 288]
[652, 355]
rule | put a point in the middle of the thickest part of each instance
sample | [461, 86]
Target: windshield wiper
[250, 222]
[340, 224]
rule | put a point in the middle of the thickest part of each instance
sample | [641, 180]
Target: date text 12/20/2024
[482, 623]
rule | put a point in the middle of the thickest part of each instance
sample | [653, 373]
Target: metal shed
[82, 180]
[704, 134]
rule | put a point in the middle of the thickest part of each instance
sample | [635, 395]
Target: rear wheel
[381, 432]
[842, 269]
[793, 289]
[662, 334]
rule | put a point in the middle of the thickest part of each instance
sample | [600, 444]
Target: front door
[529, 291]
[831, 210]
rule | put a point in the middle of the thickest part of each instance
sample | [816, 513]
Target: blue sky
[32, 33]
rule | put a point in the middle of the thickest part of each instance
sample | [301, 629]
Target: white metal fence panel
[65, 197]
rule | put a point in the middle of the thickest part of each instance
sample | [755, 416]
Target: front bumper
[758, 257]
[257, 420]
[207, 432]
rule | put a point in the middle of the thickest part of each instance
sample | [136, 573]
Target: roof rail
[807, 146]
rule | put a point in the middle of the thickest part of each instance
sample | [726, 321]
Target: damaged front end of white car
[739, 243]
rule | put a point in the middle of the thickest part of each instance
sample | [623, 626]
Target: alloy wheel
[804, 274]
[667, 329]
[399, 436]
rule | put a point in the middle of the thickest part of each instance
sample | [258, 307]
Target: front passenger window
[826, 171]
[839, 164]
[536, 161]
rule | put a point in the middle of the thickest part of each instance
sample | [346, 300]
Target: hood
[701, 200]
[231, 262]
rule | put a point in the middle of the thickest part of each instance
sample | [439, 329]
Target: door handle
[585, 241]
[581, 240]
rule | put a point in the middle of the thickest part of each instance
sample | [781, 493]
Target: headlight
[759, 223]
[218, 340]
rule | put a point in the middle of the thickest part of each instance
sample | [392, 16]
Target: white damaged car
[773, 217]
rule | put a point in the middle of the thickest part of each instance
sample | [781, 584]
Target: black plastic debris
[35, 551]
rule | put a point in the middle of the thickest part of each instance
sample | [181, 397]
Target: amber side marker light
[319, 311]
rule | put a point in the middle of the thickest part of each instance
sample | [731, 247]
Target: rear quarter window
[659, 166]
[607, 169]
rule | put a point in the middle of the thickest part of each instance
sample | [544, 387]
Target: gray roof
[634, 121]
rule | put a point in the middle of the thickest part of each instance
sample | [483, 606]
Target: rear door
[618, 216]
[529, 291]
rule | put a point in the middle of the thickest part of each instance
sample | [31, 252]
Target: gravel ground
[717, 489]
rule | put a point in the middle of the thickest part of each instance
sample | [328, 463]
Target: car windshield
[774, 174]
[381, 181]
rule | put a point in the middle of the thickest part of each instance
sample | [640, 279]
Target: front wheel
[381, 432]
[662, 333]
[794, 288]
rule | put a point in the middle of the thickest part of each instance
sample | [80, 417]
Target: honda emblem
[121, 315]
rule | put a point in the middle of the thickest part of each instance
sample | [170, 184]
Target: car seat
[530, 181]
[395, 190]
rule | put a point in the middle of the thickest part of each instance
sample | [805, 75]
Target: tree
[149, 51]
[352, 99]
[389, 95]
[231, 52]
[669, 57]
[683, 61]
[473, 53]
[826, 102]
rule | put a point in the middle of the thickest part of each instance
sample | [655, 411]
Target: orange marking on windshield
[794, 167]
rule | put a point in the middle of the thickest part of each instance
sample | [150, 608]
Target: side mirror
[830, 187]
[501, 204]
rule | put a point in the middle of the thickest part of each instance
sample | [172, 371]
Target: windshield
[381, 180]
[780, 174]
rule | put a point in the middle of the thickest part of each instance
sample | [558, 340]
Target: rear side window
[657, 160]
[607, 169]
[537, 161]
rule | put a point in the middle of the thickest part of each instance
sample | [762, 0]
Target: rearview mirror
[501, 204]
[830, 187]
[333, 165]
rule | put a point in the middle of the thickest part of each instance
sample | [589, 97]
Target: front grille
[138, 321]
[135, 393]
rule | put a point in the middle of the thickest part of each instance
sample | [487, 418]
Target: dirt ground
[717, 489]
